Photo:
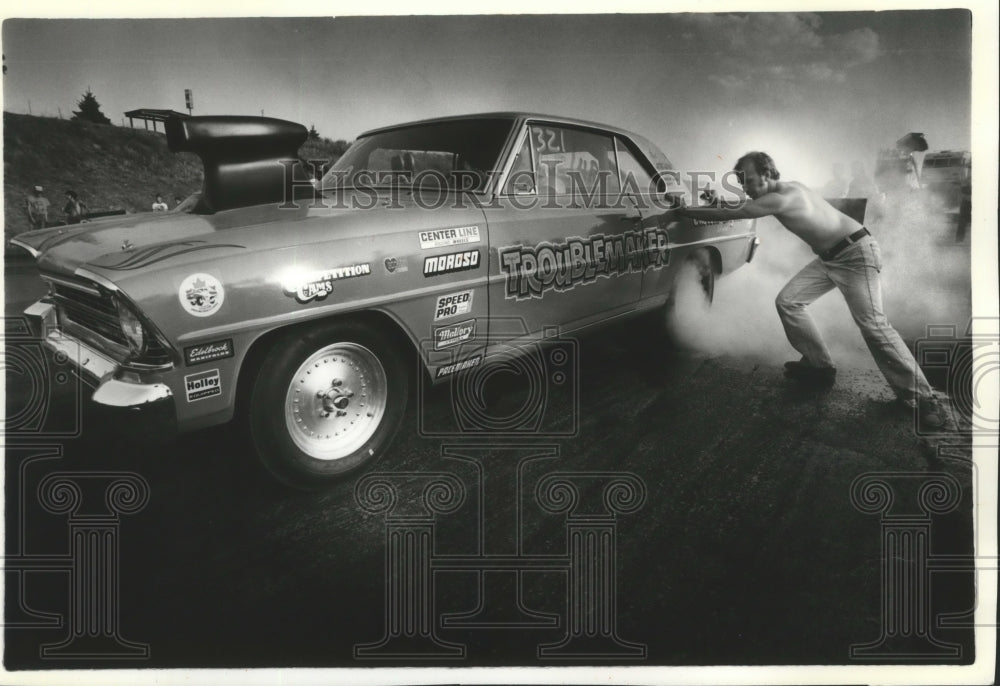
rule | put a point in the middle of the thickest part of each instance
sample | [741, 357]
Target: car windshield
[457, 155]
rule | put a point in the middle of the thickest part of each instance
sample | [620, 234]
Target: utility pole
[188, 100]
[29, 107]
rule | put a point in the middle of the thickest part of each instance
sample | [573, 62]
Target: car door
[639, 182]
[562, 237]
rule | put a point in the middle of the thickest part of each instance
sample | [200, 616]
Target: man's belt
[844, 244]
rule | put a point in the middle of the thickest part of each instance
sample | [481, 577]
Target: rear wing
[244, 158]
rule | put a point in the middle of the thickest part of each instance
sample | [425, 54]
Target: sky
[811, 89]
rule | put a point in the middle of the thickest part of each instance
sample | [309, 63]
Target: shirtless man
[848, 258]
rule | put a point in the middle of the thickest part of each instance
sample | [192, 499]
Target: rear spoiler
[244, 158]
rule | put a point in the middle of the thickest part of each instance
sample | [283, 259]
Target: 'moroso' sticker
[201, 295]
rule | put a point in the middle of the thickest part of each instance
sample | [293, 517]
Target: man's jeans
[855, 271]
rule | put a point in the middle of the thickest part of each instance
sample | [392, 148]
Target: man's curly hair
[762, 162]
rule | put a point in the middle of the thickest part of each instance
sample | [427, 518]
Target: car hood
[127, 243]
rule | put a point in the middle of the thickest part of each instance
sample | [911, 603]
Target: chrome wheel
[335, 401]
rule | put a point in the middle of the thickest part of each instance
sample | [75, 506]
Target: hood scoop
[247, 160]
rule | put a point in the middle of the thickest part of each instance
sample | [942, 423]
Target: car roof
[518, 116]
[655, 155]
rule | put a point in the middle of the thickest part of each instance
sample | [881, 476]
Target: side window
[634, 175]
[522, 177]
[574, 162]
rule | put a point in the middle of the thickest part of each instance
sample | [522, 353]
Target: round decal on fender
[201, 295]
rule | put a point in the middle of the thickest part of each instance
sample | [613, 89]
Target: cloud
[778, 55]
[857, 47]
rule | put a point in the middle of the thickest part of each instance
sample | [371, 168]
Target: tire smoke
[925, 280]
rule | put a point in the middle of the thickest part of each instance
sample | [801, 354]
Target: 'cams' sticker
[208, 352]
[318, 285]
[202, 385]
[396, 265]
[452, 305]
[452, 262]
[442, 238]
[450, 369]
[532, 270]
[201, 295]
[447, 336]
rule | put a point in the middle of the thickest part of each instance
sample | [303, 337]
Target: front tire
[326, 402]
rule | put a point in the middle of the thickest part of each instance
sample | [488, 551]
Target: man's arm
[764, 206]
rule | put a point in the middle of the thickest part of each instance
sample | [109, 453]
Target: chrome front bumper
[93, 367]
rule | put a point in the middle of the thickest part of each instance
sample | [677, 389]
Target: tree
[90, 110]
[313, 133]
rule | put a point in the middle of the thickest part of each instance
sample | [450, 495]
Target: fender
[244, 158]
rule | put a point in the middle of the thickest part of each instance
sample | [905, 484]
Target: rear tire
[326, 402]
[690, 299]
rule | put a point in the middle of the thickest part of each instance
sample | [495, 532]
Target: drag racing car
[300, 305]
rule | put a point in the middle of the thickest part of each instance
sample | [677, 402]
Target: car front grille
[92, 308]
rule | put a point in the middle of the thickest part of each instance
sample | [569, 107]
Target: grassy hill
[110, 167]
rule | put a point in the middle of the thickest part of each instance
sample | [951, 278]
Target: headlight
[131, 326]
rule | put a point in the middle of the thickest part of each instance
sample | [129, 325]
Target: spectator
[177, 201]
[38, 208]
[964, 212]
[159, 205]
[74, 209]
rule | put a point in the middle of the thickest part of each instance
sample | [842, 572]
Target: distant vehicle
[945, 173]
[301, 316]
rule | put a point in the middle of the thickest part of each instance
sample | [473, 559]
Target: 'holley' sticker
[447, 336]
[452, 305]
[442, 238]
[451, 262]
[203, 385]
[456, 367]
[208, 352]
[318, 285]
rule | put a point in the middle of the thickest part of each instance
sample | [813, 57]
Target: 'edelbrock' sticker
[208, 352]
[452, 305]
[450, 369]
[442, 238]
[451, 262]
[201, 295]
[446, 336]
[318, 285]
[202, 385]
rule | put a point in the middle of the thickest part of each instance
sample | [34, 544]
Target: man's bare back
[811, 218]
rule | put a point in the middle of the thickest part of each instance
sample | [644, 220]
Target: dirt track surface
[742, 545]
